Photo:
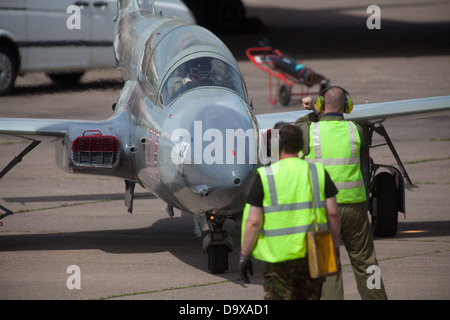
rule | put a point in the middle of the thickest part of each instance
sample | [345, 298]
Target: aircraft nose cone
[218, 186]
[216, 152]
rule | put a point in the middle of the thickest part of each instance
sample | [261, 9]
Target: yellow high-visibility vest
[288, 209]
[336, 145]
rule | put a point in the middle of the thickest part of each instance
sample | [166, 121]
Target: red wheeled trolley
[287, 70]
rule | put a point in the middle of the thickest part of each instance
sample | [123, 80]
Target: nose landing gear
[217, 244]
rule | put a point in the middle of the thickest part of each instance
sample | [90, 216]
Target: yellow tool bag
[321, 255]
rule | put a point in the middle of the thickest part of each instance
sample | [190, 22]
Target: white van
[46, 36]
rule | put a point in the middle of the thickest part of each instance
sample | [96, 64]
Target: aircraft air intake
[95, 150]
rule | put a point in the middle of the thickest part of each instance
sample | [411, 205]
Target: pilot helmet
[200, 69]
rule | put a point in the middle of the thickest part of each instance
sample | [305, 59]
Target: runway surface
[62, 220]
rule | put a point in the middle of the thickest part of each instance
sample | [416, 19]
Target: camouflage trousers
[290, 280]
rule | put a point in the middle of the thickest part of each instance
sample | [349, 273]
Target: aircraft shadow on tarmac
[332, 33]
[422, 229]
[79, 197]
[174, 235]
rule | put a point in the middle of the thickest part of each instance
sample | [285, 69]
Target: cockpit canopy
[201, 72]
[179, 57]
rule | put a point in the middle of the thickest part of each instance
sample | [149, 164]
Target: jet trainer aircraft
[183, 126]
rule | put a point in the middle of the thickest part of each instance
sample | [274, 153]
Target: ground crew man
[338, 145]
[278, 215]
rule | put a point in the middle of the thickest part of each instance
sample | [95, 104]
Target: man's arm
[334, 221]
[253, 226]
[304, 122]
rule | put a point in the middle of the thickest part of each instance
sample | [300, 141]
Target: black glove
[245, 264]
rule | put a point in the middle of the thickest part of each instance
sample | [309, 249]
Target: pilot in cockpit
[199, 71]
[192, 74]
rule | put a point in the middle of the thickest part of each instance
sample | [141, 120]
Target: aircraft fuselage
[194, 149]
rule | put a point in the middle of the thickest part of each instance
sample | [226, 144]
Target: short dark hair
[290, 138]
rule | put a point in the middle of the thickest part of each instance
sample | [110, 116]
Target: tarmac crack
[165, 289]
[406, 256]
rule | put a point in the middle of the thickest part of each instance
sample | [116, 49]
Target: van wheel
[385, 207]
[8, 70]
[65, 78]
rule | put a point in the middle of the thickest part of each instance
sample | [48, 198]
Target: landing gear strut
[217, 244]
[387, 188]
[11, 165]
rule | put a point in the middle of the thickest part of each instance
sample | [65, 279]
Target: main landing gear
[387, 187]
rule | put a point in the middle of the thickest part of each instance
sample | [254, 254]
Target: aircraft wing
[36, 129]
[372, 111]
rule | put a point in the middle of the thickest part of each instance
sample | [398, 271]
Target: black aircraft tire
[385, 217]
[218, 259]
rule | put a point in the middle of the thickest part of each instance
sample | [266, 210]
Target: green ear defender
[320, 102]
